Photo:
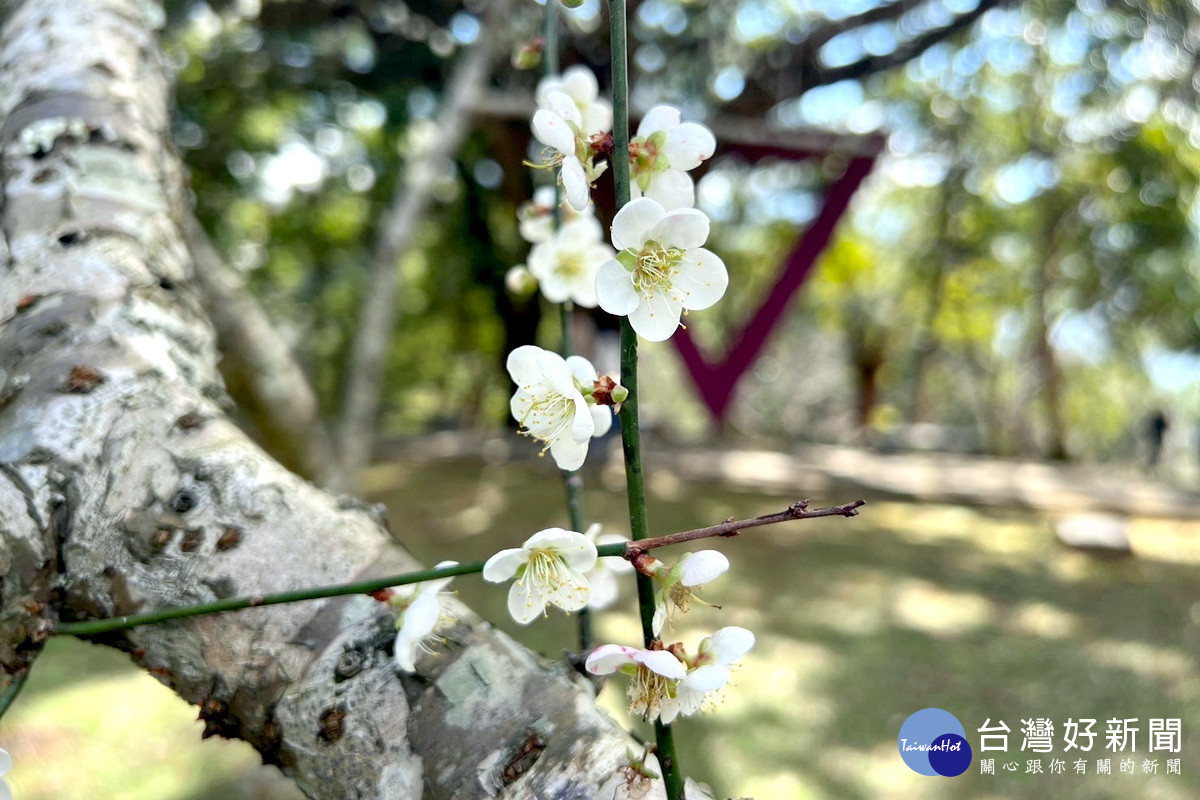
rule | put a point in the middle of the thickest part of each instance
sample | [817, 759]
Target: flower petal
[683, 228]
[608, 658]
[553, 131]
[405, 652]
[567, 453]
[582, 370]
[564, 105]
[673, 189]
[556, 373]
[658, 118]
[602, 418]
[657, 318]
[702, 278]
[504, 565]
[575, 183]
[525, 601]
[614, 289]
[668, 710]
[729, 644]
[583, 426]
[707, 678]
[689, 144]
[580, 83]
[553, 539]
[572, 592]
[597, 117]
[702, 566]
[421, 617]
[604, 587]
[577, 550]
[632, 224]
[660, 619]
[523, 366]
[662, 662]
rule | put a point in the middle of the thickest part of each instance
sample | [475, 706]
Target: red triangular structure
[717, 382]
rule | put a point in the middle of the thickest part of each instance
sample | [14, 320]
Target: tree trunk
[123, 487]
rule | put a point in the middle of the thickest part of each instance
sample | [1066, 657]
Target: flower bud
[528, 55]
[520, 281]
[571, 3]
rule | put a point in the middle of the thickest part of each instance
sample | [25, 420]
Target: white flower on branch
[663, 152]
[549, 570]
[655, 674]
[681, 582]
[666, 682]
[566, 265]
[569, 121]
[550, 402]
[579, 84]
[660, 269]
[708, 672]
[421, 614]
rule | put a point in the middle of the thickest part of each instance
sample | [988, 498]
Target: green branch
[629, 551]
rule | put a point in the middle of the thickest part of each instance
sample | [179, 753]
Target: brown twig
[732, 527]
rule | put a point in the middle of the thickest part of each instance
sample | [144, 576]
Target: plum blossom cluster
[669, 682]
[660, 268]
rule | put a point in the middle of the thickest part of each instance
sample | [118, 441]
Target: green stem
[630, 435]
[795, 511]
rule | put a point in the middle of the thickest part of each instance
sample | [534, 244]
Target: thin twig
[630, 551]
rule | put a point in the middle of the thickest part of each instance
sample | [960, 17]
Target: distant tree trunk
[124, 488]
[259, 367]
[397, 232]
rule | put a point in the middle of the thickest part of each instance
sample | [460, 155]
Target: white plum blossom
[679, 584]
[559, 125]
[5, 765]
[549, 569]
[603, 577]
[566, 265]
[580, 85]
[663, 152]
[420, 614]
[707, 673]
[655, 674]
[535, 217]
[660, 269]
[550, 404]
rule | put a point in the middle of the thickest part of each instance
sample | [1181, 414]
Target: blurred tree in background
[1020, 271]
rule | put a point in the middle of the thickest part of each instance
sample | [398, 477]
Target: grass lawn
[860, 623]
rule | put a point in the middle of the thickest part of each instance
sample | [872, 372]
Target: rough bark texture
[123, 488]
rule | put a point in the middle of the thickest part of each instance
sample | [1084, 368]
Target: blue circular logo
[933, 742]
